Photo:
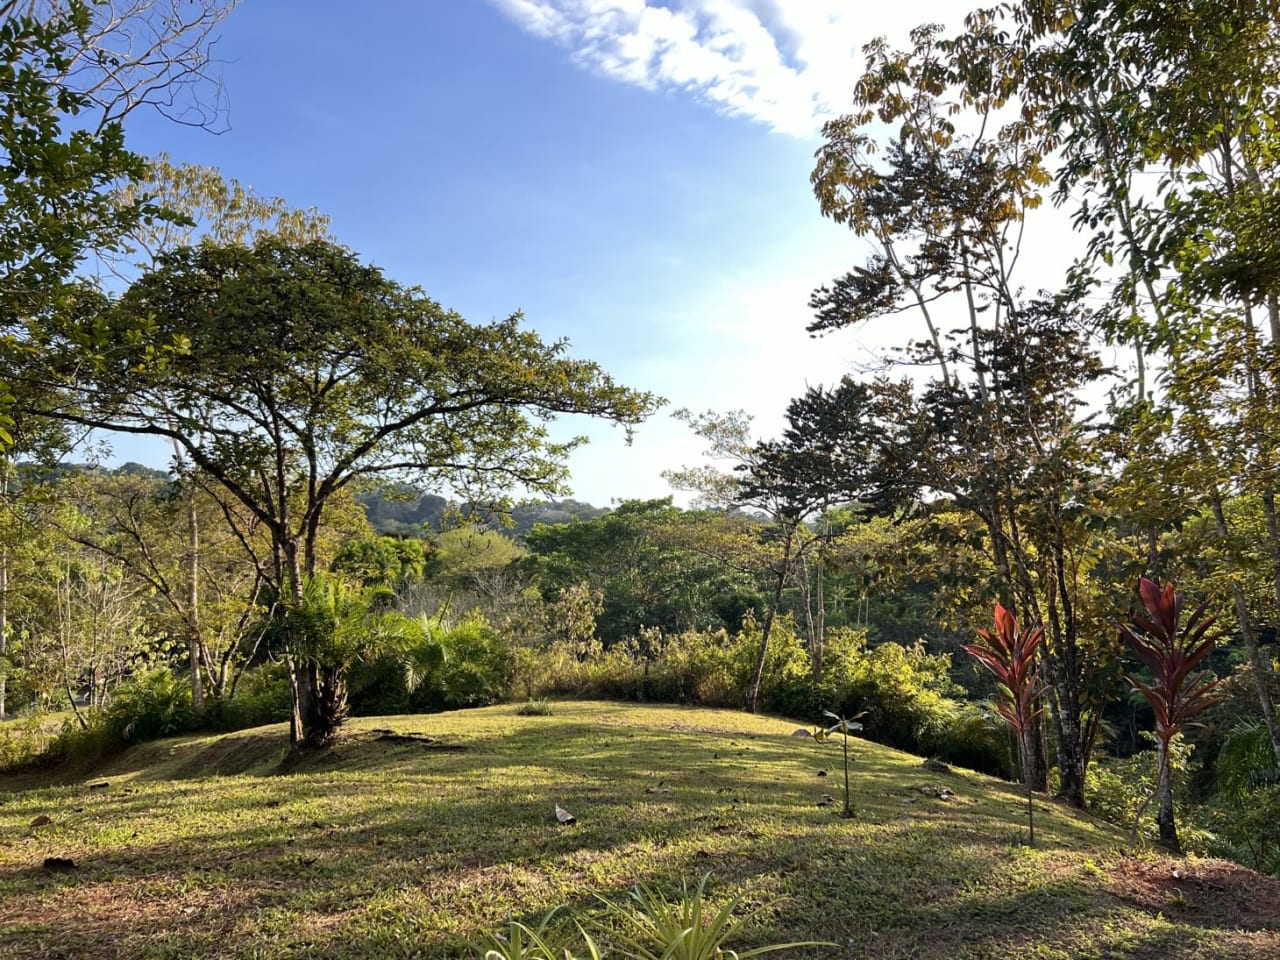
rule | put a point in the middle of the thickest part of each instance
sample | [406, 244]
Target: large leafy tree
[70, 72]
[1166, 118]
[650, 563]
[288, 373]
[995, 428]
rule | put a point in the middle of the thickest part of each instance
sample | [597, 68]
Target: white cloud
[789, 64]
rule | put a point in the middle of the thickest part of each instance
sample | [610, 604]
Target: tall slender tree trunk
[300, 687]
[1260, 668]
[1164, 795]
[820, 646]
[4, 597]
[4, 627]
[753, 698]
[195, 644]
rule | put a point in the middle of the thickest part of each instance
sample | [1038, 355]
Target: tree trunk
[1164, 793]
[820, 644]
[4, 627]
[753, 698]
[195, 650]
[4, 598]
[301, 686]
[1261, 669]
[1027, 748]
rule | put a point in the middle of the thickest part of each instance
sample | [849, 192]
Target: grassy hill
[413, 828]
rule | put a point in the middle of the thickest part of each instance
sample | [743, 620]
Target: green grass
[201, 846]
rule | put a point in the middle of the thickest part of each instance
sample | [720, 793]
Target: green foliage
[382, 561]
[1246, 827]
[541, 707]
[25, 743]
[1122, 789]
[339, 623]
[435, 664]
[260, 697]
[521, 942]
[649, 562]
[145, 707]
[1246, 761]
[52, 163]
[653, 927]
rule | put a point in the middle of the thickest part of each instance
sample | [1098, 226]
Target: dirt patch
[1208, 893]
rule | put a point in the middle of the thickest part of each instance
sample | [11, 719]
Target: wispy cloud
[789, 64]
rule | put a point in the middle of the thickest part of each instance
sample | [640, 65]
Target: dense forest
[1039, 537]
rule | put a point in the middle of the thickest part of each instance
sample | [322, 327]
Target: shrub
[1246, 828]
[144, 707]
[535, 708]
[26, 742]
[472, 668]
[261, 697]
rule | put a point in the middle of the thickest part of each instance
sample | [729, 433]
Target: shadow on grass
[378, 849]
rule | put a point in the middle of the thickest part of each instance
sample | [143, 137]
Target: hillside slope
[413, 828]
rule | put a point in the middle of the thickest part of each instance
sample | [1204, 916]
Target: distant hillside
[403, 510]
[407, 511]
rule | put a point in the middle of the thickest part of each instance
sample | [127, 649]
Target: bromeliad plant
[1010, 654]
[1171, 651]
[651, 927]
[655, 928]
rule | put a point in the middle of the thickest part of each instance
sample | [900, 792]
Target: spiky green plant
[521, 942]
[655, 928]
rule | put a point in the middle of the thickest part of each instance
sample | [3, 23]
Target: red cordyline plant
[1171, 651]
[1010, 654]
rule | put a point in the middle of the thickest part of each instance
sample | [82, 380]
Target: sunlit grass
[397, 847]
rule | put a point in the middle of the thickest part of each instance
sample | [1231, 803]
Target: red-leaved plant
[1010, 654]
[1171, 651]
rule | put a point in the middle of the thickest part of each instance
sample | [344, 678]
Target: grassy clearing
[384, 846]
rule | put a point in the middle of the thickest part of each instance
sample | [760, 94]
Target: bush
[147, 706]
[1246, 828]
[261, 697]
[25, 743]
[476, 669]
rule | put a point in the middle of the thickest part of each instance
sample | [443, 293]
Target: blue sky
[631, 175]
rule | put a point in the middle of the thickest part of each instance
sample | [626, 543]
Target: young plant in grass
[846, 726]
[654, 928]
[1009, 653]
[522, 942]
[1171, 650]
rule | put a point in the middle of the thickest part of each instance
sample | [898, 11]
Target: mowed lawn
[413, 830]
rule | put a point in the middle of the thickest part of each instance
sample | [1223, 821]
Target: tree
[144, 524]
[70, 71]
[287, 372]
[1165, 116]
[650, 563]
[784, 480]
[996, 428]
